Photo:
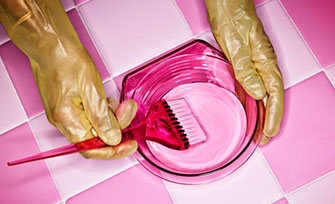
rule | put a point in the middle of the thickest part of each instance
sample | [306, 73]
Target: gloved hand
[241, 36]
[68, 81]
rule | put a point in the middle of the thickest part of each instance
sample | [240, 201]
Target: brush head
[184, 123]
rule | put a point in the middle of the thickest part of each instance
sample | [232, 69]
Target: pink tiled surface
[195, 14]
[294, 59]
[18, 67]
[319, 191]
[331, 74]
[12, 114]
[87, 42]
[147, 29]
[281, 201]
[316, 21]
[134, 185]
[252, 183]
[296, 167]
[25, 183]
[304, 148]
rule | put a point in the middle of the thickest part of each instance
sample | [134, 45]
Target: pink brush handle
[82, 146]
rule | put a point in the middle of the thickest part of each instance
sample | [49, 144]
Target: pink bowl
[193, 70]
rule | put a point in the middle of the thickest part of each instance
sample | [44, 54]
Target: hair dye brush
[171, 124]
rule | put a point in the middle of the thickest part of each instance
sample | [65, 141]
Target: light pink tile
[320, 191]
[25, 183]
[315, 21]
[252, 183]
[131, 32]
[18, 67]
[87, 42]
[73, 173]
[12, 113]
[68, 4]
[331, 75]
[281, 201]
[303, 150]
[195, 14]
[135, 185]
[294, 58]
[3, 35]
[112, 90]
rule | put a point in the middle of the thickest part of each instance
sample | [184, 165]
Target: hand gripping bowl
[230, 118]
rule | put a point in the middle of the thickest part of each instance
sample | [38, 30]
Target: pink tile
[195, 14]
[131, 32]
[18, 67]
[252, 183]
[68, 4]
[72, 173]
[3, 35]
[315, 21]
[294, 58]
[331, 75]
[30, 183]
[12, 113]
[259, 2]
[303, 150]
[281, 201]
[320, 191]
[135, 185]
[87, 42]
[111, 90]
[79, 2]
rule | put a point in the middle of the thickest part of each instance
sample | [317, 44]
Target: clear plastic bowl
[193, 70]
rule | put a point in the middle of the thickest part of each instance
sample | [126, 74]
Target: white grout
[311, 182]
[301, 36]
[46, 163]
[93, 41]
[273, 175]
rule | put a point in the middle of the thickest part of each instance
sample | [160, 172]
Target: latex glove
[68, 81]
[241, 36]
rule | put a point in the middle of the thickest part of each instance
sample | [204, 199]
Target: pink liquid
[222, 118]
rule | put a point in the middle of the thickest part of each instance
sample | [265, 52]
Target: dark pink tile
[18, 67]
[304, 148]
[281, 201]
[87, 42]
[79, 2]
[195, 14]
[316, 21]
[26, 183]
[259, 2]
[135, 185]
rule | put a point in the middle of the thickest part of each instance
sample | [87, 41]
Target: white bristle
[190, 124]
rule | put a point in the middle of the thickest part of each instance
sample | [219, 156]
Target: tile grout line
[17, 97]
[300, 35]
[311, 182]
[167, 189]
[46, 163]
[273, 175]
[183, 17]
[132, 164]
[93, 41]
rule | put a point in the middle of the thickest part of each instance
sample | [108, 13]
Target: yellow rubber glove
[241, 36]
[68, 81]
